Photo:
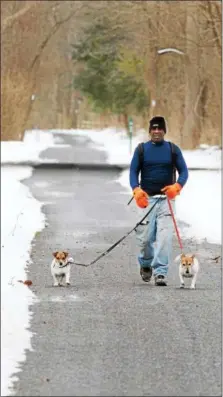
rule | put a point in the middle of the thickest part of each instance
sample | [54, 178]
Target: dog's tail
[177, 259]
[70, 260]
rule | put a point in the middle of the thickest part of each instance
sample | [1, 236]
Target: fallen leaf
[27, 282]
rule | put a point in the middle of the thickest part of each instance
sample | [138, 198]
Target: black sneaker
[146, 273]
[160, 280]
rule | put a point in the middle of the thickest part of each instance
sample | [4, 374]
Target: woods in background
[69, 64]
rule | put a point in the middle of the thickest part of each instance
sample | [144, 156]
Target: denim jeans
[155, 235]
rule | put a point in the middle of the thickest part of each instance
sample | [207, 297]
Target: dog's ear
[193, 256]
[182, 256]
[55, 254]
[66, 254]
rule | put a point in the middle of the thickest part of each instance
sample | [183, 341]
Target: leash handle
[147, 213]
[175, 225]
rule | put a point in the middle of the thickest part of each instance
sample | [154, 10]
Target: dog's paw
[56, 285]
[68, 284]
[182, 285]
[192, 287]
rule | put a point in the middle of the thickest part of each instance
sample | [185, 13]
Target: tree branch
[18, 14]
[51, 34]
[42, 47]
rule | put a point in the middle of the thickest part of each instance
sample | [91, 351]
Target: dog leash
[120, 240]
[174, 221]
[175, 224]
[130, 200]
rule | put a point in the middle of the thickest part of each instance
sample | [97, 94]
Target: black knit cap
[157, 121]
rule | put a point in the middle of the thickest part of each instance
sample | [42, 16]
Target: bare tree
[184, 85]
[28, 29]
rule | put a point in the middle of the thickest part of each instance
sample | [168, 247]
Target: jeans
[155, 237]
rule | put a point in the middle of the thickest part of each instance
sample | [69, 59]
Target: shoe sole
[161, 283]
[146, 277]
[146, 280]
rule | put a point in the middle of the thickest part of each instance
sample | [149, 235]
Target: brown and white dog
[60, 268]
[188, 268]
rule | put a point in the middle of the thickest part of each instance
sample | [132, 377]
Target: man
[157, 175]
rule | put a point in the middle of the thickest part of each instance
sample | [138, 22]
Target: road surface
[109, 333]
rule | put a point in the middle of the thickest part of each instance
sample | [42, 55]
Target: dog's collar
[66, 264]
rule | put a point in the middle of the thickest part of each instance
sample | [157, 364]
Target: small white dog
[60, 267]
[188, 268]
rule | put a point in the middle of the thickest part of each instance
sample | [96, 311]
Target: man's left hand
[172, 190]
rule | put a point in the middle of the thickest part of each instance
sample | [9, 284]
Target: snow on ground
[21, 218]
[199, 205]
[117, 146]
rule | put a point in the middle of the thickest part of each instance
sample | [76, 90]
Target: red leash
[174, 221]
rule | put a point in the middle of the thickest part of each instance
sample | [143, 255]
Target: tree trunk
[126, 122]
[191, 128]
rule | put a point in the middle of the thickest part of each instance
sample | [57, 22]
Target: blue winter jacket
[157, 169]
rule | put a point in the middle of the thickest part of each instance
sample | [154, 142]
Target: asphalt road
[110, 334]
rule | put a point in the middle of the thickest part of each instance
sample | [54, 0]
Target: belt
[158, 195]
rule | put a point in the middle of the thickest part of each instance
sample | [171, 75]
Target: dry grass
[15, 100]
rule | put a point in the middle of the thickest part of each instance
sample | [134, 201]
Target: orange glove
[141, 197]
[172, 190]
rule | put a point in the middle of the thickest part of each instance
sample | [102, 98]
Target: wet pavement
[110, 334]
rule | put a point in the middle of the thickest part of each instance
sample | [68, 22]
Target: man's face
[156, 134]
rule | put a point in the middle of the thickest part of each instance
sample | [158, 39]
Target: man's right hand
[141, 197]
